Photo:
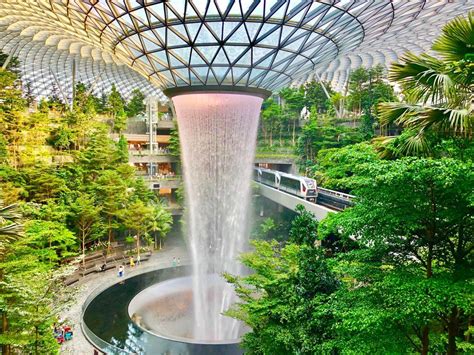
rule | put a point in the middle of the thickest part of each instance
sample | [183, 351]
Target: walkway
[158, 260]
[291, 201]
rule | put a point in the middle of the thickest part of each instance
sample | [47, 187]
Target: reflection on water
[107, 318]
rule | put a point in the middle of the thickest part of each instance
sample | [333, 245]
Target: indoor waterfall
[218, 134]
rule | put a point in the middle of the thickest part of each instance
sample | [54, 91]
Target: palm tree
[10, 228]
[439, 91]
[161, 222]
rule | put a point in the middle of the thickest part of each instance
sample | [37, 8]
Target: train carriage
[300, 186]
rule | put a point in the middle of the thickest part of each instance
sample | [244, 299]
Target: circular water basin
[108, 324]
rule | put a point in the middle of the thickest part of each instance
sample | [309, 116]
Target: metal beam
[290, 201]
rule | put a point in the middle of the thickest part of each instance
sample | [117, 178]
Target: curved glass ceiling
[250, 43]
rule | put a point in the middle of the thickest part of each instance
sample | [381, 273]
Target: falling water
[218, 134]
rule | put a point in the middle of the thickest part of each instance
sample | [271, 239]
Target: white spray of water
[218, 134]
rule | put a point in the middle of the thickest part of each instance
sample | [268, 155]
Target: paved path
[158, 260]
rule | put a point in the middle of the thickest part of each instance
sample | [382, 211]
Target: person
[120, 271]
[103, 266]
[132, 262]
[138, 259]
[174, 261]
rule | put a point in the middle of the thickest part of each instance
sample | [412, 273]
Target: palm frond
[396, 112]
[456, 122]
[9, 212]
[415, 145]
[409, 143]
[457, 38]
[13, 229]
[424, 78]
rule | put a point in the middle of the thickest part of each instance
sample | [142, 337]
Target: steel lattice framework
[240, 43]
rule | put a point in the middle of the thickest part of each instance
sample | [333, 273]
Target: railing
[97, 342]
[161, 178]
[334, 193]
[146, 152]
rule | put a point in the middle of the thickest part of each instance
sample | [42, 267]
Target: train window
[268, 176]
[290, 183]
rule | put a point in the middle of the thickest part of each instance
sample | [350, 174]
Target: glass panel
[209, 52]
[221, 58]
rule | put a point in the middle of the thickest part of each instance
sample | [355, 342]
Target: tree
[304, 227]
[410, 282]
[337, 168]
[271, 115]
[122, 150]
[136, 104]
[51, 240]
[10, 232]
[174, 144]
[32, 292]
[318, 134]
[283, 300]
[315, 96]
[99, 153]
[42, 183]
[86, 217]
[136, 217]
[116, 109]
[111, 191]
[13, 64]
[437, 90]
[294, 102]
[160, 223]
[367, 88]
[84, 101]
[10, 228]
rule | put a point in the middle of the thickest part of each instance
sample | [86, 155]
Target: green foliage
[438, 90]
[335, 168]
[136, 104]
[84, 102]
[12, 65]
[318, 134]
[266, 230]
[368, 88]
[31, 292]
[116, 109]
[304, 227]
[72, 182]
[315, 97]
[122, 150]
[174, 144]
[160, 223]
[412, 274]
[283, 300]
[50, 241]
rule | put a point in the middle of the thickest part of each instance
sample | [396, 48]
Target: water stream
[218, 134]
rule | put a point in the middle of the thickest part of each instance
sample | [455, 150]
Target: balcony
[144, 156]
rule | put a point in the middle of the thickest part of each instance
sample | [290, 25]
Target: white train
[293, 184]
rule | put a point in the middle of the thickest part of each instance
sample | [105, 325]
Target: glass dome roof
[245, 43]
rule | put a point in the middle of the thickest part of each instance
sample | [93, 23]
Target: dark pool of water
[107, 321]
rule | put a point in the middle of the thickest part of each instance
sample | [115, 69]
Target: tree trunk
[5, 347]
[453, 325]
[83, 252]
[109, 241]
[293, 133]
[36, 340]
[425, 340]
[138, 246]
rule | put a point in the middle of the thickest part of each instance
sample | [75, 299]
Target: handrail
[336, 193]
